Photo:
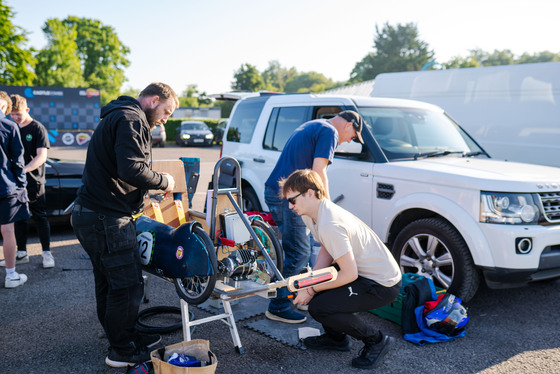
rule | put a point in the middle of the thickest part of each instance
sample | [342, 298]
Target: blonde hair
[301, 181]
[4, 97]
[19, 103]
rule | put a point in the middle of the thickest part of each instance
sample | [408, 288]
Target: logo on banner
[68, 138]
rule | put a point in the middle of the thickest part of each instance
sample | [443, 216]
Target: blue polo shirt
[313, 139]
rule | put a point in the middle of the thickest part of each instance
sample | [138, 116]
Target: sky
[203, 42]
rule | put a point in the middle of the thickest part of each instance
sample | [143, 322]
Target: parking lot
[49, 325]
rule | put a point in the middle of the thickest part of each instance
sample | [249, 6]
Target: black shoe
[122, 360]
[148, 340]
[371, 354]
[326, 342]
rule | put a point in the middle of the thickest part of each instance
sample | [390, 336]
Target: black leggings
[335, 308]
[39, 216]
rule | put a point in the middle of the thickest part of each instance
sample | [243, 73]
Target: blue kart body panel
[172, 252]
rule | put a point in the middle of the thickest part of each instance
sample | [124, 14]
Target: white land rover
[443, 206]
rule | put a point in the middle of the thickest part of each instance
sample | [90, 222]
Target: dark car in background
[193, 133]
[219, 131]
[64, 178]
[159, 136]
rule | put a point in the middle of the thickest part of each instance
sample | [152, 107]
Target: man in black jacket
[116, 177]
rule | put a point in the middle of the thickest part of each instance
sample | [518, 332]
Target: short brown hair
[4, 97]
[301, 181]
[162, 90]
[19, 103]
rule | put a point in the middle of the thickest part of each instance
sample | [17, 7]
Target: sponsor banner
[69, 138]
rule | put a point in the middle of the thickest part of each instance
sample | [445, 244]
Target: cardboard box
[177, 171]
[169, 209]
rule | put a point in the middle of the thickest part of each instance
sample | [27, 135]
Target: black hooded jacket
[117, 172]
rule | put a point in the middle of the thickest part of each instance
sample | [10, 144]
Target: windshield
[409, 133]
[193, 126]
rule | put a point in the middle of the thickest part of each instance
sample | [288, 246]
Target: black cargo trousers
[111, 245]
[335, 308]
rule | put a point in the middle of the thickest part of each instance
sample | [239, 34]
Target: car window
[244, 120]
[194, 126]
[282, 123]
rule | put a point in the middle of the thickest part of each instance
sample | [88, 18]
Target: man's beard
[151, 116]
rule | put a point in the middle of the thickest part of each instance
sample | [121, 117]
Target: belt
[81, 208]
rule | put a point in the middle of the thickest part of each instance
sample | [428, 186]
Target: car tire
[433, 248]
[251, 202]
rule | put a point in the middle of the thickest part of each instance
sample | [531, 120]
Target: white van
[444, 208]
[513, 111]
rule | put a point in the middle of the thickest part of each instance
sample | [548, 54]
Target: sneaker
[371, 354]
[48, 260]
[117, 360]
[302, 307]
[286, 316]
[326, 342]
[15, 280]
[149, 340]
[21, 258]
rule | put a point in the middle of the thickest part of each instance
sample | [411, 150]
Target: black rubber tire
[449, 264]
[270, 241]
[251, 202]
[145, 327]
[196, 290]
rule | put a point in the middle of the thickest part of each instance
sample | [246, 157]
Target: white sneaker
[15, 280]
[303, 307]
[21, 258]
[48, 260]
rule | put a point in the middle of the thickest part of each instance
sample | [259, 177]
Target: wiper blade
[475, 153]
[435, 154]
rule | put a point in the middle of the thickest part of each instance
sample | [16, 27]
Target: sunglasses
[292, 200]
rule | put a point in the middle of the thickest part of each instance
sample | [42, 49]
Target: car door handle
[259, 160]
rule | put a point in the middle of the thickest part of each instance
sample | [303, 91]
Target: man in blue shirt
[311, 146]
[13, 195]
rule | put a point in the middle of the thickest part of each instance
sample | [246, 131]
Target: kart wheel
[196, 290]
[270, 242]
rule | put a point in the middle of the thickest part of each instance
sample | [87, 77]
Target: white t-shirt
[340, 232]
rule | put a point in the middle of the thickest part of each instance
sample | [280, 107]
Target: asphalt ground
[49, 326]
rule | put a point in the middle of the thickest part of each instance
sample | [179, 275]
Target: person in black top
[116, 177]
[13, 196]
[35, 141]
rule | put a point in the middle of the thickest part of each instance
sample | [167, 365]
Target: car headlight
[185, 136]
[509, 208]
[209, 136]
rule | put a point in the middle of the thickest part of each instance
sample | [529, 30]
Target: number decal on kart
[145, 246]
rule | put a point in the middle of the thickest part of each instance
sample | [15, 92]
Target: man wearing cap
[311, 146]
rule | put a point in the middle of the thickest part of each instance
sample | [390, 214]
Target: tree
[58, 64]
[16, 63]
[395, 49]
[459, 62]
[544, 56]
[101, 54]
[275, 76]
[247, 78]
[308, 82]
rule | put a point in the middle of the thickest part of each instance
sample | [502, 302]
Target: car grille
[551, 205]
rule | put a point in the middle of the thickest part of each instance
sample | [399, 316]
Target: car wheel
[162, 144]
[433, 248]
[250, 200]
